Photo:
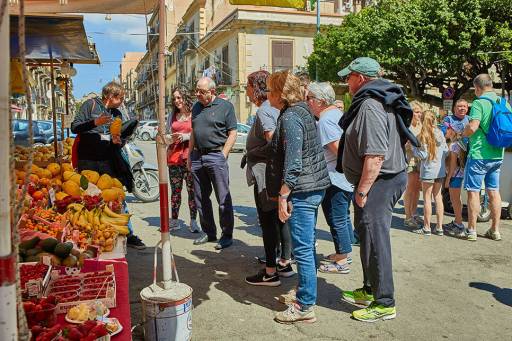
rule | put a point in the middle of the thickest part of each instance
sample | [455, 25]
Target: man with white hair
[213, 135]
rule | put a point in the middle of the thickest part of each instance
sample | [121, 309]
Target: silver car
[241, 137]
[148, 130]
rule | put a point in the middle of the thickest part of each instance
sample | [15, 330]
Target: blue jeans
[302, 228]
[336, 207]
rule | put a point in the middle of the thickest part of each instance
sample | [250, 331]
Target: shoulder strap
[492, 103]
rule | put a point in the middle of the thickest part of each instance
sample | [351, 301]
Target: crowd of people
[304, 152]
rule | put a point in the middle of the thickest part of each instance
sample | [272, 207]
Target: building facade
[127, 77]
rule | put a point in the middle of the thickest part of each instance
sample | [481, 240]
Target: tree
[420, 43]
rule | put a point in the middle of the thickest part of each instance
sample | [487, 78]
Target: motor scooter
[145, 175]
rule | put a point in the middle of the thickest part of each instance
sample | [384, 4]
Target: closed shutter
[226, 69]
[282, 55]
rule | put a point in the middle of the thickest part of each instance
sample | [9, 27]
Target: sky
[117, 38]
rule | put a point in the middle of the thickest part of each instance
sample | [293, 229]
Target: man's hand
[102, 120]
[285, 210]
[361, 202]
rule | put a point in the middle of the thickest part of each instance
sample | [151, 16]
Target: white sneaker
[193, 227]
[174, 225]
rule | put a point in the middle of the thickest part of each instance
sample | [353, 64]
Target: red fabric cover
[122, 309]
[74, 152]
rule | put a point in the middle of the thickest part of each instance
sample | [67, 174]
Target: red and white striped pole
[161, 151]
[8, 310]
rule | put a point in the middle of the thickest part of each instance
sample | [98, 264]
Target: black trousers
[373, 223]
[275, 233]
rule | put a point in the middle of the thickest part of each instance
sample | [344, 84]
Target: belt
[203, 151]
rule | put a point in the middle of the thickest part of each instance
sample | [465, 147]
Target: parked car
[148, 130]
[47, 127]
[20, 133]
[241, 137]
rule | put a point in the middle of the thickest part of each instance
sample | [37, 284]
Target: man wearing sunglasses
[213, 135]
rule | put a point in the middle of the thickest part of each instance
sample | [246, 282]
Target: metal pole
[161, 151]
[317, 32]
[54, 114]
[8, 315]
[66, 107]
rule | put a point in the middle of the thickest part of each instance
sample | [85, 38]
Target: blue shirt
[329, 131]
[457, 124]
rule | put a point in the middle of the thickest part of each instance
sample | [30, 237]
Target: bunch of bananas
[99, 218]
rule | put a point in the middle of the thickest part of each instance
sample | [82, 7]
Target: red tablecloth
[122, 309]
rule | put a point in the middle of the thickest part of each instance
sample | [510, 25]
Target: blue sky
[111, 46]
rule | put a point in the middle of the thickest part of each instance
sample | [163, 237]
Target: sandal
[423, 231]
[335, 268]
[331, 260]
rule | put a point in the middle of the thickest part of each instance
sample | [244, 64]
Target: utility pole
[317, 33]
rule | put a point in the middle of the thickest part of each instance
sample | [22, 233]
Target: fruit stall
[73, 227]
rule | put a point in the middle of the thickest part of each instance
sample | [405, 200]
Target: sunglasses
[201, 91]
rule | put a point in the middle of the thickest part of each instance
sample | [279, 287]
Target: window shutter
[282, 55]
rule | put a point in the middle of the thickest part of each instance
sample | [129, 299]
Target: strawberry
[36, 330]
[99, 330]
[28, 306]
[86, 327]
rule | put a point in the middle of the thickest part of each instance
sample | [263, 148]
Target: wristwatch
[284, 196]
[362, 195]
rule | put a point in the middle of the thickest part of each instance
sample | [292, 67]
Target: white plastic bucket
[167, 308]
[167, 321]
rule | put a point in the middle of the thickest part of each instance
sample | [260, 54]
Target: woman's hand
[284, 209]
[177, 137]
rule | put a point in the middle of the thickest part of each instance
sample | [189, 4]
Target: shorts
[431, 181]
[482, 170]
[456, 182]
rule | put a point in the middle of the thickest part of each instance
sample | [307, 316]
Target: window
[226, 70]
[282, 55]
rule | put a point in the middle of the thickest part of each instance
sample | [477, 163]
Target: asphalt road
[446, 289]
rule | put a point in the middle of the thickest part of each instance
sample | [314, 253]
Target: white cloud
[127, 28]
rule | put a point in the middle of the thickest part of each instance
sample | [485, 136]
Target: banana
[104, 219]
[113, 214]
[123, 230]
[90, 217]
[76, 215]
[82, 220]
[76, 206]
[96, 217]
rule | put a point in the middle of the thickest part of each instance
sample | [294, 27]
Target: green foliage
[420, 43]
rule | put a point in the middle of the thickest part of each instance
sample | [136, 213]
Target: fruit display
[88, 331]
[41, 312]
[34, 273]
[86, 311]
[43, 220]
[58, 253]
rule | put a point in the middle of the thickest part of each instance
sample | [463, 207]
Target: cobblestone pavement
[446, 289]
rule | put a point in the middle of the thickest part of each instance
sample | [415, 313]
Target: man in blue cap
[373, 159]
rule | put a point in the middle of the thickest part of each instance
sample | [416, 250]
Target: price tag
[51, 192]
[47, 260]
[33, 287]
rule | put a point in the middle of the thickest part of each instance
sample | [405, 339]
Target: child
[454, 177]
[432, 170]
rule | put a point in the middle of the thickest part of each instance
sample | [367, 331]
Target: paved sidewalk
[446, 289]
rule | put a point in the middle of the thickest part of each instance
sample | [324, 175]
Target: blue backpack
[500, 128]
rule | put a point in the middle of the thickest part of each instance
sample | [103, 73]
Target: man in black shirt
[213, 135]
[96, 144]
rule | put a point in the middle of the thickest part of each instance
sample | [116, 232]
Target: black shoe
[135, 242]
[285, 270]
[204, 239]
[224, 242]
[261, 278]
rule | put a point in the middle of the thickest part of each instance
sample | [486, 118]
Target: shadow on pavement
[225, 271]
[502, 295]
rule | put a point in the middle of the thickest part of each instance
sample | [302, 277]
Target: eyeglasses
[310, 98]
[201, 91]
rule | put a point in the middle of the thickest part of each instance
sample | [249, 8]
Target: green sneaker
[358, 296]
[374, 313]
[471, 235]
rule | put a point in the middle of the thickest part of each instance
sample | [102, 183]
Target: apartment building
[127, 77]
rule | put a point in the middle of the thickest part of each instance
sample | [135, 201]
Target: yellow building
[228, 42]
[128, 76]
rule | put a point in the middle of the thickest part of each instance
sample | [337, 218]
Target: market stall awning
[86, 6]
[63, 36]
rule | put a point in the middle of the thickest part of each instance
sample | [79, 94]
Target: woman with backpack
[432, 154]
